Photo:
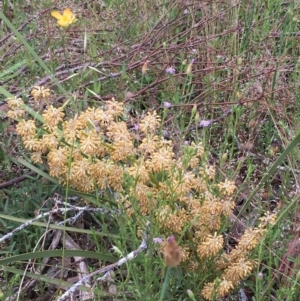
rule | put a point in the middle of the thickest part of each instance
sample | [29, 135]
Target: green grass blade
[44, 278]
[33, 113]
[7, 73]
[272, 169]
[57, 253]
[35, 169]
[32, 52]
[5, 92]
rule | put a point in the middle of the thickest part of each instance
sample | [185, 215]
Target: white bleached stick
[107, 269]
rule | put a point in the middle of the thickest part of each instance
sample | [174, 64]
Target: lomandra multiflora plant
[96, 151]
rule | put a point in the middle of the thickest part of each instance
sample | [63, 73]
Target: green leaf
[45, 278]
[57, 253]
[35, 169]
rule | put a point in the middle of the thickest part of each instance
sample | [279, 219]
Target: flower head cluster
[16, 108]
[40, 92]
[235, 266]
[53, 116]
[96, 151]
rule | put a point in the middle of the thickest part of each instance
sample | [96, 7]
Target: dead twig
[16, 180]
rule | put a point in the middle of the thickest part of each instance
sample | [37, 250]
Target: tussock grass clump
[97, 151]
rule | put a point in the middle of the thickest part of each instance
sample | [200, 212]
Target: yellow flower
[64, 19]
